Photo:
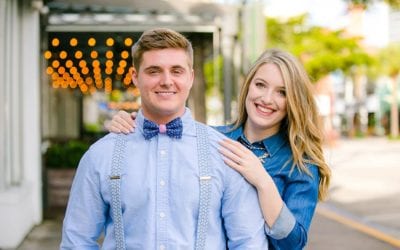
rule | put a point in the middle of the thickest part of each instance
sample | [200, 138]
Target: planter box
[59, 183]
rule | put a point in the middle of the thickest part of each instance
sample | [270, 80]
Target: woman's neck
[254, 133]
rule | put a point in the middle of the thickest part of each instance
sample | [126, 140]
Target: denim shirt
[299, 191]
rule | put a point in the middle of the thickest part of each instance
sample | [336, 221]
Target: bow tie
[173, 129]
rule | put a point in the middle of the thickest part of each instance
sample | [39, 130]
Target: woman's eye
[260, 84]
[282, 92]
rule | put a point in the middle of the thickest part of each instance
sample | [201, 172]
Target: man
[165, 186]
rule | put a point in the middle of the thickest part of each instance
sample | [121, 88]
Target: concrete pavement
[363, 211]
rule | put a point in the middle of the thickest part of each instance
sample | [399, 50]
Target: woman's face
[266, 100]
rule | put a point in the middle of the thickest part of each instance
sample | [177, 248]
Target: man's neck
[161, 118]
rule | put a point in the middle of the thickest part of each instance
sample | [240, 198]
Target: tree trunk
[394, 110]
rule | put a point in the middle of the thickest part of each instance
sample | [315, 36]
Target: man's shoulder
[212, 133]
[106, 143]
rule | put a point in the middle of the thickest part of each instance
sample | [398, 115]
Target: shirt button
[163, 152]
[162, 182]
[162, 247]
[162, 215]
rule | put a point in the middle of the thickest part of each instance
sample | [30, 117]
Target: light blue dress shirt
[160, 196]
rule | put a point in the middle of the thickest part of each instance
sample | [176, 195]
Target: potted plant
[61, 160]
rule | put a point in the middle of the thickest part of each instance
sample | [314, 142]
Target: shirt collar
[272, 144]
[187, 122]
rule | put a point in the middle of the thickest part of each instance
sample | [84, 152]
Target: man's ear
[134, 76]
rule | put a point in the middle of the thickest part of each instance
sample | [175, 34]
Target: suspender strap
[205, 185]
[115, 184]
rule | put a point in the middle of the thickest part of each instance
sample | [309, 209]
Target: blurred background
[65, 69]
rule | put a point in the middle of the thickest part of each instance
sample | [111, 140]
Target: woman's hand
[245, 162]
[122, 122]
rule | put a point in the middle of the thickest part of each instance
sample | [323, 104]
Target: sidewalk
[363, 211]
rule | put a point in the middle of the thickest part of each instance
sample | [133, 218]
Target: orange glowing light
[108, 71]
[120, 71]
[85, 70]
[47, 54]
[109, 54]
[73, 42]
[63, 54]
[55, 64]
[110, 41]
[78, 54]
[122, 63]
[109, 63]
[96, 71]
[96, 63]
[124, 54]
[83, 87]
[49, 70]
[55, 42]
[91, 42]
[73, 70]
[82, 63]
[69, 63]
[128, 41]
[94, 54]
[61, 70]
[127, 81]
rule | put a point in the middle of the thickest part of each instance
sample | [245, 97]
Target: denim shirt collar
[272, 144]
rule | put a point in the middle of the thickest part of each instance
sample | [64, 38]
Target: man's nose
[167, 79]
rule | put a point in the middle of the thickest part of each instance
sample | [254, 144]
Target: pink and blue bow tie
[173, 129]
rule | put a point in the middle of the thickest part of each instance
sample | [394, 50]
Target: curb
[344, 217]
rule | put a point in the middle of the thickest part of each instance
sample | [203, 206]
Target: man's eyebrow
[177, 67]
[152, 67]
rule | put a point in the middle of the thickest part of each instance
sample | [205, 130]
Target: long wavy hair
[301, 122]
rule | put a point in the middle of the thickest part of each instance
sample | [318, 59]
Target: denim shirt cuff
[283, 225]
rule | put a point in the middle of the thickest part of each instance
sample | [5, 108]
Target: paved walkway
[363, 211]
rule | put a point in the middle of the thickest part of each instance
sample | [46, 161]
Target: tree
[322, 51]
[390, 65]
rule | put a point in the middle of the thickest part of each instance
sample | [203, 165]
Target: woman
[276, 145]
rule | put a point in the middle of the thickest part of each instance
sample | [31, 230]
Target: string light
[89, 67]
[73, 42]
[128, 42]
[92, 42]
[110, 42]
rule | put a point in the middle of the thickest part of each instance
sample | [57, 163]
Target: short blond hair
[160, 38]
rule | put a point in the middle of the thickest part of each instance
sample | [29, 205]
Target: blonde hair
[160, 38]
[303, 130]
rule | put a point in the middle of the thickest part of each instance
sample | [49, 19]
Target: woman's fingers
[235, 147]
[121, 122]
[230, 155]
[233, 164]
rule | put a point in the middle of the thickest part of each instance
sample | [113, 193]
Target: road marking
[362, 227]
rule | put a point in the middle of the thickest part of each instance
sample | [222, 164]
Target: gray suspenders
[115, 185]
[205, 185]
[205, 188]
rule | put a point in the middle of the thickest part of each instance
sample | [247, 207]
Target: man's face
[164, 80]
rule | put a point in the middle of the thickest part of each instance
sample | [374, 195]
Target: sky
[332, 14]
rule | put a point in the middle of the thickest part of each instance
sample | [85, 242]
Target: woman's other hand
[122, 122]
